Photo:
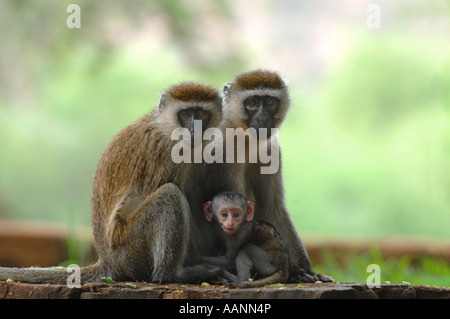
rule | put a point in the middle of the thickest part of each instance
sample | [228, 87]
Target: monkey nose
[262, 123]
[228, 225]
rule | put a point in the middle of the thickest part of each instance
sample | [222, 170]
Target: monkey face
[261, 111]
[257, 99]
[229, 210]
[187, 118]
[189, 105]
[230, 219]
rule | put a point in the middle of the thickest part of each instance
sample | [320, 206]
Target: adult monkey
[260, 100]
[140, 215]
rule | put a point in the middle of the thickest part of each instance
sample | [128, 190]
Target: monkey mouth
[229, 231]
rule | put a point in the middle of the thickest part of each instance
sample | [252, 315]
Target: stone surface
[175, 291]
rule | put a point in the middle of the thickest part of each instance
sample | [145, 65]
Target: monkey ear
[207, 210]
[250, 210]
[162, 100]
[227, 88]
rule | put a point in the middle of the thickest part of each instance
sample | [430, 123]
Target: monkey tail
[278, 277]
[53, 275]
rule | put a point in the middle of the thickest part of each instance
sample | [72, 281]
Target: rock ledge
[129, 290]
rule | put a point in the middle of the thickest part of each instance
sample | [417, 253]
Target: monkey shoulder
[130, 139]
[140, 154]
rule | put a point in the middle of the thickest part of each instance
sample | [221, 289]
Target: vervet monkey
[253, 247]
[259, 100]
[141, 217]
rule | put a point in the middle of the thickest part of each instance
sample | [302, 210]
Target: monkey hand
[222, 276]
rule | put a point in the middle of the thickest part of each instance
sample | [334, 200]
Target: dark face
[186, 118]
[261, 111]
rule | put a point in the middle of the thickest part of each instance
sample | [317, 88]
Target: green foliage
[426, 271]
[107, 280]
[277, 285]
[369, 154]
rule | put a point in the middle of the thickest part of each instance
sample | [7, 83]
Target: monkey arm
[224, 261]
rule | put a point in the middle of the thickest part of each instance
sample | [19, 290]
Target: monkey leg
[252, 257]
[151, 243]
[223, 261]
[244, 264]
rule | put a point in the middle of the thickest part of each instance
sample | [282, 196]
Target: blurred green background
[365, 147]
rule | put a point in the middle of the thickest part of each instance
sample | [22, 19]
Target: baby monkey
[252, 245]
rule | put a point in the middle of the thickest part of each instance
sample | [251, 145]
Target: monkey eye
[236, 215]
[270, 103]
[184, 114]
[202, 114]
[224, 214]
[251, 104]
